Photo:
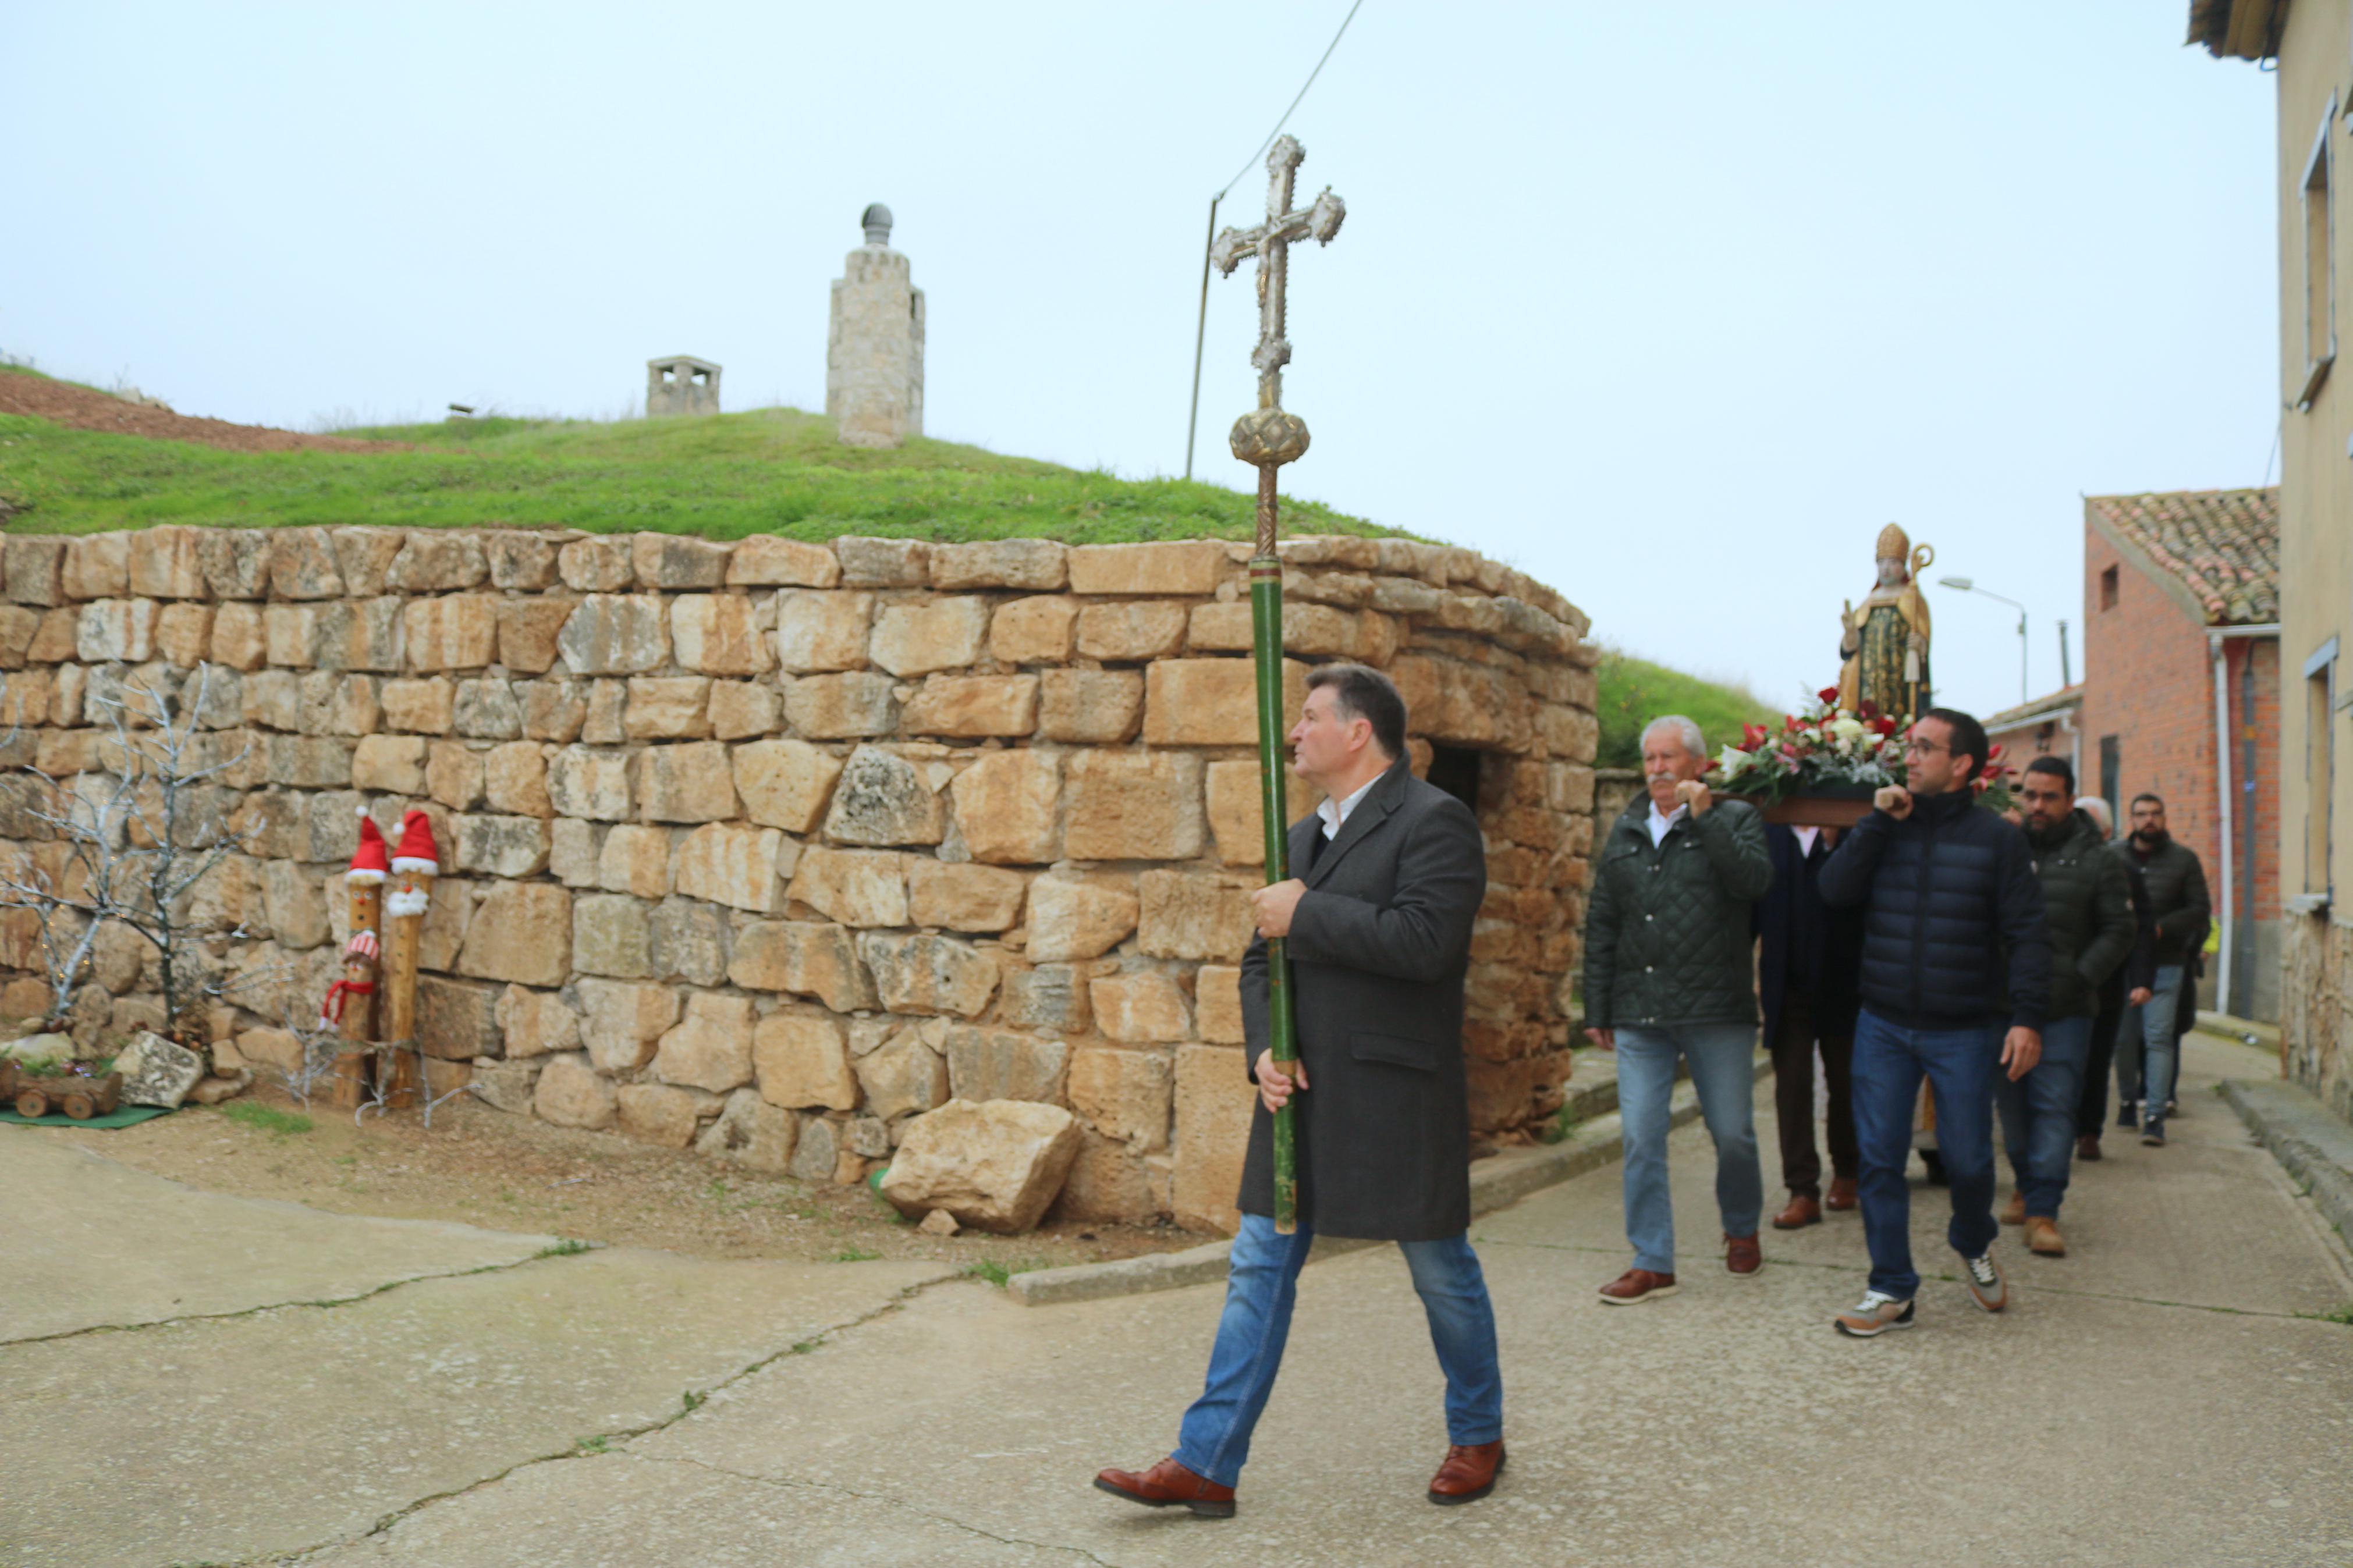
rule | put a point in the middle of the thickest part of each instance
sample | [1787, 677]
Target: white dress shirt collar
[1660, 823]
[1335, 813]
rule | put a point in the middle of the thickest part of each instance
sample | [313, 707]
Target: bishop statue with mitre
[1886, 643]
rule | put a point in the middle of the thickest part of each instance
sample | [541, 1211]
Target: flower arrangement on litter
[1825, 749]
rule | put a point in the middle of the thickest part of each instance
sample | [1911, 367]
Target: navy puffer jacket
[1954, 935]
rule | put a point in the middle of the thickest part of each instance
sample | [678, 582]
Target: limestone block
[53, 640]
[690, 782]
[1134, 805]
[536, 1023]
[363, 556]
[678, 561]
[917, 638]
[122, 629]
[361, 634]
[520, 560]
[504, 1085]
[572, 849]
[718, 634]
[612, 936]
[234, 562]
[238, 641]
[35, 570]
[974, 706]
[527, 631]
[994, 1166]
[1218, 1003]
[459, 631]
[331, 704]
[929, 974]
[1089, 707]
[1030, 563]
[802, 1063]
[804, 958]
[309, 761]
[869, 562]
[502, 846]
[1131, 630]
[814, 1156]
[731, 863]
[1466, 703]
[614, 634]
[854, 886]
[437, 561]
[1186, 567]
[521, 932]
[1211, 701]
[514, 779]
[1033, 631]
[763, 560]
[456, 1020]
[1070, 917]
[556, 709]
[635, 861]
[165, 564]
[1126, 1095]
[600, 722]
[784, 783]
[691, 941]
[1050, 998]
[453, 774]
[882, 798]
[750, 1131]
[98, 566]
[1006, 808]
[393, 764]
[1111, 1182]
[1214, 1097]
[157, 1072]
[994, 1064]
[570, 1094]
[1146, 1006]
[1307, 628]
[666, 707]
[659, 1114]
[711, 1047]
[1238, 814]
[420, 707]
[294, 899]
[622, 1021]
[486, 709]
[289, 635]
[588, 783]
[818, 631]
[905, 1076]
[20, 624]
[302, 565]
[597, 565]
[1195, 915]
[950, 896]
[448, 917]
[741, 708]
[842, 707]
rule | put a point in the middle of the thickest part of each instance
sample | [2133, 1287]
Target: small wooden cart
[79, 1097]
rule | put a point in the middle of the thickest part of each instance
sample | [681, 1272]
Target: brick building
[2047, 727]
[2180, 700]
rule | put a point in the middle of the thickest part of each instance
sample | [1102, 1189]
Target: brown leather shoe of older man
[1636, 1285]
[1743, 1256]
[1842, 1194]
[1803, 1210]
[1170, 1485]
[1468, 1474]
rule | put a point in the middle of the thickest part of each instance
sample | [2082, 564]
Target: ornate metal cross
[1271, 242]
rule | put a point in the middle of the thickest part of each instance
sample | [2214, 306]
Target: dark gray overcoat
[1378, 946]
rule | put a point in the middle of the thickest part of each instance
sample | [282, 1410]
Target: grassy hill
[772, 470]
[1634, 691]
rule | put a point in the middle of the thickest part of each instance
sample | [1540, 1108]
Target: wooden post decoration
[1268, 437]
[350, 1007]
[415, 864]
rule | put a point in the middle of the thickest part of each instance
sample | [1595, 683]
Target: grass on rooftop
[1634, 691]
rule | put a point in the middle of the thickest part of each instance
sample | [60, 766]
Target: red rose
[1828, 694]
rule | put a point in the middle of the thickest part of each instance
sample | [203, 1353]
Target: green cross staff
[1268, 437]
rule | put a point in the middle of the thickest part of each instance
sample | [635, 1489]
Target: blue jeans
[2147, 1050]
[2038, 1114]
[1263, 1285]
[1722, 1058]
[1961, 1064]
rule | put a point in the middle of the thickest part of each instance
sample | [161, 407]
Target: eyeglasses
[1918, 747]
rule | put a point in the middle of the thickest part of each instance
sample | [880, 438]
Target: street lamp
[1969, 585]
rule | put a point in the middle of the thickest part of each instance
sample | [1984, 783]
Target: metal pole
[2223, 827]
[2021, 656]
[1201, 328]
[2066, 669]
[1266, 650]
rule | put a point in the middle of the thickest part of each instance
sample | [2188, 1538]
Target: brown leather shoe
[1743, 1256]
[1468, 1474]
[1170, 1485]
[2016, 1213]
[2087, 1147]
[1803, 1212]
[1842, 1194]
[2042, 1237]
[1636, 1285]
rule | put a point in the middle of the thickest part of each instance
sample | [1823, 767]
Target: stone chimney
[874, 348]
[680, 383]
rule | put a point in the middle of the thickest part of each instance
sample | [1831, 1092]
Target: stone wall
[766, 847]
[2315, 972]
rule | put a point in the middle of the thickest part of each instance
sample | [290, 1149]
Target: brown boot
[1743, 1256]
[1842, 1194]
[2042, 1237]
[1803, 1211]
[1170, 1485]
[2016, 1213]
[1468, 1474]
[2087, 1147]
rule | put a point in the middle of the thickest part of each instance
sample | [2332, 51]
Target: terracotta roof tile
[2224, 546]
[2067, 697]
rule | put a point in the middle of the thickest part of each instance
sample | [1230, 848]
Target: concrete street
[193, 1379]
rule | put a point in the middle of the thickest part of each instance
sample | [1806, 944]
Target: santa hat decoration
[368, 863]
[418, 852]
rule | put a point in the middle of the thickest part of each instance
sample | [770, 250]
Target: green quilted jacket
[1667, 930]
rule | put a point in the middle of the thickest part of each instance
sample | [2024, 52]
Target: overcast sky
[1672, 306]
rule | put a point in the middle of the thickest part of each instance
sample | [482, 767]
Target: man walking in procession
[1668, 941]
[2148, 1046]
[1390, 873]
[1952, 924]
[1806, 962]
[2127, 987]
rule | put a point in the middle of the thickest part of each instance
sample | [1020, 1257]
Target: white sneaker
[1874, 1315]
[1988, 1289]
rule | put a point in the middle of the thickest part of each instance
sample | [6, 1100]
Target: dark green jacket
[1667, 932]
[2087, 902]
[2177, 895]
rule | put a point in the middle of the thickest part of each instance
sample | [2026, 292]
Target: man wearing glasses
[1955, 984]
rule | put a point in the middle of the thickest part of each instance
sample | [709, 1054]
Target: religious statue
[1886, 643]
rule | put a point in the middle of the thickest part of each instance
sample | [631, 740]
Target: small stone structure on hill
[767, 848]
[874, 343]
[680, 383]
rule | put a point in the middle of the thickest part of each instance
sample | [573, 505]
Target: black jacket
[2177, 893]
[1805, 944]
[1379, 947]
[2087, 902]
[1667, 928]
[1952, 916]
